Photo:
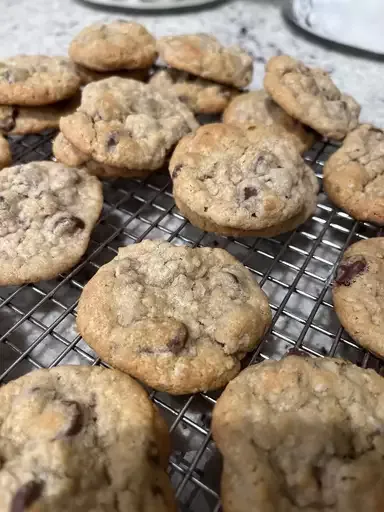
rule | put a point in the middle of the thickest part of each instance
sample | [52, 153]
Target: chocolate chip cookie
[258, 109]
[354, 174]
[82, 438]
[309, 95]
[203, 55]
[358, 293]
[36, 80]
[117, 45]
[125, 123]
[201, 96]
[47, 213]
[16, 120]
[5, 152]
[177, 318]
[227, 183]
[302, 434]
[66, 153]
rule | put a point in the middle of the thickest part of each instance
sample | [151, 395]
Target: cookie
[36, 80]
[226, 183]
[90, 75]
[179, 319]
[203, 55]
[66, 153]
[256, 108]
[16, 120]
[302, 434]
[354, 175]
[5, 153]
[125, 123]
[117, 45]
[47, 213]
[309, 95]
[201, 96]
[82, 438]
[358, 293]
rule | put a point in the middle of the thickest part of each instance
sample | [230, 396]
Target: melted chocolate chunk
[68, 225]
[177, 343]
[250, 192]
[76, 420]
[26, 495]
[349, 270]
[112, 141]
[176, 171]
[296, 352]
[156, 490]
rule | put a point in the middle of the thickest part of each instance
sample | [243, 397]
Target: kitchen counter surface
[38, 26]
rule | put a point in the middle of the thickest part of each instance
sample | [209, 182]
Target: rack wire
[37, 321]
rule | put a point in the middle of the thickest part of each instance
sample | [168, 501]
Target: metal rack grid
[37, 322]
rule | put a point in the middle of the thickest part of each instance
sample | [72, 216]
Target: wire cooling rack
[37, 322]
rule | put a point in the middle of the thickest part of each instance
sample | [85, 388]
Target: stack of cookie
[203, 73]
[297, 102]
[122, 126]
[123, 48]
[246, 177]
[35, 91]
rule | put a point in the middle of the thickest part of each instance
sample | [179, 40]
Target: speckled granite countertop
[41, 26]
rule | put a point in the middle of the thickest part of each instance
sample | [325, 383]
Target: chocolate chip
[112, 141]
[156, 490]
[76, 420]
[243, 31]
[250, 192]
[26, 495]
[176, 171]
[296, 352]
[107, 476]
[348, 270]
[183, 99]
[145, 350]
[153, 453]
[68, 225]
[177, 343]
[260, 160]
